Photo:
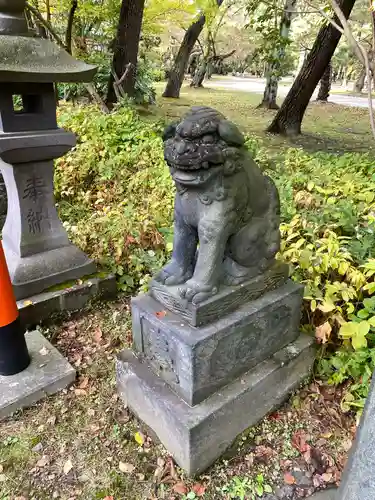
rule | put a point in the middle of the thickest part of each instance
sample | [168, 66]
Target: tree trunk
[200, 74]
[207, 65]
[273, 71]
[360, 82]
[301, 60]
[69, 29]
[126, 49]
[325, 84]
[270, 93]
[177, 73]
[289, 118]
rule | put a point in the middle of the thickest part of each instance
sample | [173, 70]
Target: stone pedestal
[199, 387]
[48, 373]
[358, 480]
[38, 252]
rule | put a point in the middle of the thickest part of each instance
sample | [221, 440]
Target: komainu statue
[227, 212]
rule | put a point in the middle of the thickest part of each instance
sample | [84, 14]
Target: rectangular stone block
[48, 373]
[358, 481]
[198, 361]
[40, 307]
[197, 436]
[227, 300]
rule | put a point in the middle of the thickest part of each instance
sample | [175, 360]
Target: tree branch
[35, 12]
[69, 28]
[357, 48]
[89, 86]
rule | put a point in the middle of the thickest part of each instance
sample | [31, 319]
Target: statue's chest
[191, 207]
[195, 207]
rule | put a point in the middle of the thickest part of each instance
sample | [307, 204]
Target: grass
[326, 127]
[70, 446]
[83, 444]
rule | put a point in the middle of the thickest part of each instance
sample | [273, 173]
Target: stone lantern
[38, 252]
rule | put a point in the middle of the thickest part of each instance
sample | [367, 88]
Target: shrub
[328, 238]
[115, 197]
[114, 192]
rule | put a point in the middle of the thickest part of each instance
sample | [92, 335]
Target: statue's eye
[208, 139]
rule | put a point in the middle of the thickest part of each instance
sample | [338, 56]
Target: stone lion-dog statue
[227, 212]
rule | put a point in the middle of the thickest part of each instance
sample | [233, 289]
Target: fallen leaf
[263, 453]
[347, 444]
[327, 476]
[141, 477]
[27, 303]
[84, 382]
[98, 335]
[160, 462]
[68, 466]
[2, 478]
[44, 351]
[275, 416]
[180, 488]
[173, 469]
[199, 489]
[126, 468]
[51, 420]
[1, 468]
[299, 441]
[161, 314]
[289, 479]
[80, 392]
[42, 462]
[323, 333]
[139, 438]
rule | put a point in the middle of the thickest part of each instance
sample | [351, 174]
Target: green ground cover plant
[115, 197]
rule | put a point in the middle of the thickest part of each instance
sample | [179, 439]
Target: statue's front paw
[172, 275]
[196, 292]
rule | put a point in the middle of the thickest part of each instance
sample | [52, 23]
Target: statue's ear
[169, 131]
[230, 133]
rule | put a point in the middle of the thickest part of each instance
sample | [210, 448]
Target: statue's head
[202, 144]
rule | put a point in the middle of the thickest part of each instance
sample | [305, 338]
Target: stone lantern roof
[27, 58]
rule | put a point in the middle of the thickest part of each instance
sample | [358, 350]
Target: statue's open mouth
[193, 177]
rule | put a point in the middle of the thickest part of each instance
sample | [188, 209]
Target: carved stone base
[34, 274]
[198, 361]
[226, 301]
[197, 436]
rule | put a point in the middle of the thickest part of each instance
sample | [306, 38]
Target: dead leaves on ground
[165, 473]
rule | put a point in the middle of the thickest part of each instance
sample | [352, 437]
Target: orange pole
[14, 355]
[8, 305]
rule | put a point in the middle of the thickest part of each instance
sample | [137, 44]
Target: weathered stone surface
[26, 58]
[48, 373]
[198, 361]
[197, 436]
[38, 308]
[358, 481]
[227, 299]
[226, 213]
[330, 494]
[38, 252]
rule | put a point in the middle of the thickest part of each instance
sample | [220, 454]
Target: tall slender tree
[325, 84]
[278, 56]
[289, 118]
[126, 48]
[177, 73]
